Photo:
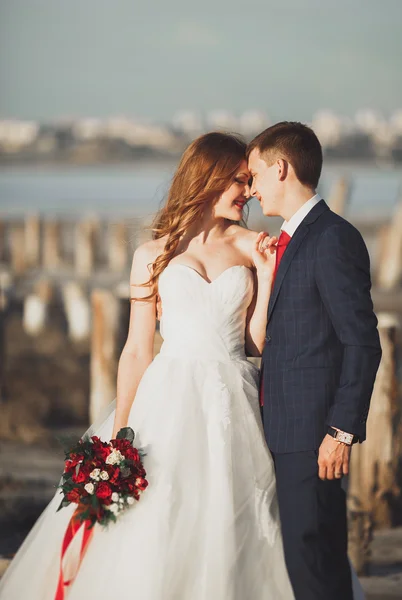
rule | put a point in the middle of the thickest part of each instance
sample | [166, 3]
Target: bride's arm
[137, 353]
[263, 256]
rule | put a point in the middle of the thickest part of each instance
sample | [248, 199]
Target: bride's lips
[240, 204]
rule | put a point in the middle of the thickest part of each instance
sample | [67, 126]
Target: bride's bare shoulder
[146, 254]
[244, 238]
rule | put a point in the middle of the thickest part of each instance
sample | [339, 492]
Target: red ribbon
[72, 528]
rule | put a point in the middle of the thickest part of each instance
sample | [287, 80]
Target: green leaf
[127, 433]
[63, 503]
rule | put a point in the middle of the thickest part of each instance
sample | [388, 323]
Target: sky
[150, 59]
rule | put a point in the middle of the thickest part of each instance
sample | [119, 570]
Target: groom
[320, 359]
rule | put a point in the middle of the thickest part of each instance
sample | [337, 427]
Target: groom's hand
[333, 459]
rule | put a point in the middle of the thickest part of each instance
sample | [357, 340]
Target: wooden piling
[3, 244]
[5, 288]
[389, 270]
[77, 310]
[117, 247]
[32, 240]
[339, 196]
[85, 246]
[374, 464]
[105, 330]
[143, 232]
[51, 258]
[36, 306]
[17, 249]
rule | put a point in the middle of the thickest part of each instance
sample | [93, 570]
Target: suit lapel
[292, 248]
[284, 265]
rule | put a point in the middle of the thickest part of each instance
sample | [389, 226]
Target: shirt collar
[290, 226]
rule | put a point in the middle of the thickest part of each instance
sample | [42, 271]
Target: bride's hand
[264, 255]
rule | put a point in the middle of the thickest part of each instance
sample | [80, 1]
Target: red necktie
[283, 241]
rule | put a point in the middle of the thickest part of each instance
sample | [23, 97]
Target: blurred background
[98, 100]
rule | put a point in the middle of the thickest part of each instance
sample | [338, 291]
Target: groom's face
[265, 186]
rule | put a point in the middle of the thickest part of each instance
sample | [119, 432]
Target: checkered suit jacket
[322, 347]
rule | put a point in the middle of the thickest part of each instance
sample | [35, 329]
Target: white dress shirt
[290, 226]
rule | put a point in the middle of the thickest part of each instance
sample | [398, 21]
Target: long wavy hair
[205, 171]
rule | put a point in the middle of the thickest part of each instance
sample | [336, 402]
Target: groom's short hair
[294, 142]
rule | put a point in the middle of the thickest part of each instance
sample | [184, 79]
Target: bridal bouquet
[103, 478]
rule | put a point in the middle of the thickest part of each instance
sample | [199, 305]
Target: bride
[207, 527]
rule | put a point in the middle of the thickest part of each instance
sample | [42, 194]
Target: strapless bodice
[201, 319]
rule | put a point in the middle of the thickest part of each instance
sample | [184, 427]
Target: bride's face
[232, 202]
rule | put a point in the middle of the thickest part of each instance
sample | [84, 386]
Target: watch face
[346, 438]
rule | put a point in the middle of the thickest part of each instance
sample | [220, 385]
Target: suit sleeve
[343, 279]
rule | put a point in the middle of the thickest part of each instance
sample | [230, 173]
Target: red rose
[140, 471]
[141, 483]
[79, 477]
[130, 485]
[102, 452]
[121, 444]
[114, 475]
[72, 461]
[103, 490]
[74, 496]
[132, 454]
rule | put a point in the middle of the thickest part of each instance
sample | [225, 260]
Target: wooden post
[389, 269]
[36, 307]
[5, 287]
[117, 247]
[105, 330]
[339, 196]
[374, 464]
[51, 258]
[76, 307]
[144, 232]
[2, 241]
[85, 246]
[32, 240]
[17, 249]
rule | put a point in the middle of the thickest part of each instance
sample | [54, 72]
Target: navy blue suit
[319, 364]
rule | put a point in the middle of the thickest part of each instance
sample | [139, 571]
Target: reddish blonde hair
[205, 171]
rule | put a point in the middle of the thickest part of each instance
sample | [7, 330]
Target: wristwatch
[342, 436]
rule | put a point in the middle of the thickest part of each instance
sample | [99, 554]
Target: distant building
[16, 135]
[253, 122]
[222, 119]
[328, 127]
[188, 122]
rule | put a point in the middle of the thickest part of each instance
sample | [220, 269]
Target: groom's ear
[283, 167]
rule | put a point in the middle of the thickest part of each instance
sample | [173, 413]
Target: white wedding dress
[207, 527]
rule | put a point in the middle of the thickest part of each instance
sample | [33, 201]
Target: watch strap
[334, 433]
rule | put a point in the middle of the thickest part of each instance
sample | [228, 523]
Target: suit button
[268, 339]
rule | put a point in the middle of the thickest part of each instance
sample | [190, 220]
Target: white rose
[130, 500]
[114, 508]
[114, 458]
[94, 474]
[104, 475]
[115, 497]
[89, 487]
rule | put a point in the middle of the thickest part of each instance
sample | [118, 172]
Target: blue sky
[150, 59]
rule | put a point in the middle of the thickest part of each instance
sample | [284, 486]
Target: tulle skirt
[207, 527]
